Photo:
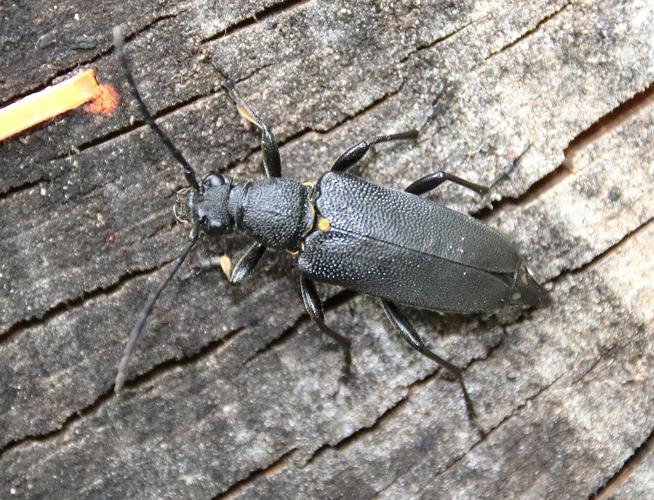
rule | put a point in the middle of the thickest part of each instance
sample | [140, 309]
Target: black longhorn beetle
[346, 231]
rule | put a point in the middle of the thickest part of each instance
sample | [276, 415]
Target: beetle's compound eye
[210, 224]
[213, 226]
[213, 180]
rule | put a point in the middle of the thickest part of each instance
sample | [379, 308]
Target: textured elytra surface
[406, 249]
[232, 390]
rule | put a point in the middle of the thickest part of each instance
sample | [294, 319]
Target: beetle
[395, 245]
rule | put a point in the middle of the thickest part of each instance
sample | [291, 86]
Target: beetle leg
[432, 181]
[244, 266]
[409, 334]
[271, 162]
[354, 153]
[313, 305]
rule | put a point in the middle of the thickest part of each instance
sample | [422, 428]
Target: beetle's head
[209, 207]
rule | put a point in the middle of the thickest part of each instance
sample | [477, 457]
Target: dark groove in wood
[628, 467]
[75, 303]
[86, 62]
[528, 33]
[257, 17]
[238, 486]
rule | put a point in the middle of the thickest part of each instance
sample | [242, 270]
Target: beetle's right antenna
[137, 330]
[189, 172]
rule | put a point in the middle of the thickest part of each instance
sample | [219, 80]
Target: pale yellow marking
[293, 253]
[226, 266]
[323, 224]
[309, 184]
[244, 113]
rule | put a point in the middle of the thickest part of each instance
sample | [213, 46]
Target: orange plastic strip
[48, 103]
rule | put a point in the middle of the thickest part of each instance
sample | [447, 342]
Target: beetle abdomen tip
[527, 291]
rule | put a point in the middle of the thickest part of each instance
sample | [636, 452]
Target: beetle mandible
[346, 231]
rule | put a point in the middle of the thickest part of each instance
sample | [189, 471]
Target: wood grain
[232, 391]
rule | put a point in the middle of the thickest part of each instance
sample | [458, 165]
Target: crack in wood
[164, 112]
[531, 195]
[134, 383]
[170, 365]
[75, 303]
[544, 184]
[639, 454]
[410, 389]
[135, 125]
[361, 432]
[278, 340]
[255, 18]
[600, 127]
[266, 471]
[599, 257]
[644, 448]
[63, 427]
[433, 43]
[85, 62]
[348, 440]
[139, 123]
[607, 123]
[493, 429]
[300, 134]
[17, 190]
[530, 32]
[624, 472]
[332, 302]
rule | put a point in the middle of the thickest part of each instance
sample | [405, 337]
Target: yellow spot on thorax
[323, 224]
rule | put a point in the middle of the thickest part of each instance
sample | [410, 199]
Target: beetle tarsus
[432, 181]
[271, 161]
[313, 305]
[508, 169]
[409, 334]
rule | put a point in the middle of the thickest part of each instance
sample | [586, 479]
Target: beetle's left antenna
[189, 172]
[137, 330]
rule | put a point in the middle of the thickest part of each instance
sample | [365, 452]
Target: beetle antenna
[189, 172]
[137, 330]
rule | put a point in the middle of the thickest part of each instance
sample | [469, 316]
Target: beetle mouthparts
[181, 206]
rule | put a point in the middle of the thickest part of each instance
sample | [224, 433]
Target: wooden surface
[233, 392]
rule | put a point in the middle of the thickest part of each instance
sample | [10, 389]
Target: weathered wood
[232, 391]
